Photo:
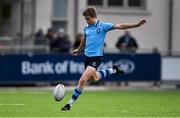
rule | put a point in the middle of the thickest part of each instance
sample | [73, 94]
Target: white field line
[90, 117]
[12, 104]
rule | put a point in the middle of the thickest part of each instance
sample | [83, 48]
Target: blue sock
[76, 93]
[104, 73]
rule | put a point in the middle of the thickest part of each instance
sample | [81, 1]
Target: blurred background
[37, 36]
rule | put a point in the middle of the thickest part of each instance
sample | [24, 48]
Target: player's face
[89, 19]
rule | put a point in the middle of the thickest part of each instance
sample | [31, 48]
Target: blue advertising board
[62, 67]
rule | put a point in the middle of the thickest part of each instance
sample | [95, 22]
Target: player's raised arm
[80, 48]
[129, 25]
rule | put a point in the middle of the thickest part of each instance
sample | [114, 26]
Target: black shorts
[93, 61]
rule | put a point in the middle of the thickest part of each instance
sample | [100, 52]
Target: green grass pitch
[115, 103]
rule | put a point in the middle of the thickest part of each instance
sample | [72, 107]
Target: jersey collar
[94, 24]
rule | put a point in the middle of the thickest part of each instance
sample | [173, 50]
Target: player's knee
[96, 77]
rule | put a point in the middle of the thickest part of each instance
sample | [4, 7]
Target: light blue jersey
[95, 36]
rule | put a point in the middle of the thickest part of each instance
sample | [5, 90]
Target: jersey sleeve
[107, 26]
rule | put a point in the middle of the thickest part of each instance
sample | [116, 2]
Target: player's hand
[75, 52]
[142, 22]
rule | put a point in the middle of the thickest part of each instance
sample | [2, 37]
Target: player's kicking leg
[90, 72]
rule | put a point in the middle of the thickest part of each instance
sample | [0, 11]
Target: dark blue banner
[61, 67]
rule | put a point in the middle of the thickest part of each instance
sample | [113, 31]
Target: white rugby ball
[59, 92]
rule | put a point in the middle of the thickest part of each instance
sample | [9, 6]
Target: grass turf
[119, 103]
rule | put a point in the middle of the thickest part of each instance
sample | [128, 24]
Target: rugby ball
[59, 92]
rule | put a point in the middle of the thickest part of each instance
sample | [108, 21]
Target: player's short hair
[90, 11]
